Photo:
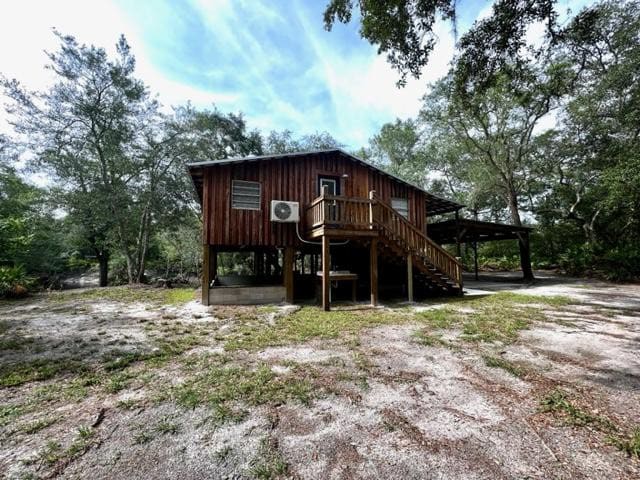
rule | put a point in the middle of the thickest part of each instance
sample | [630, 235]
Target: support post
[326, 281]
[458, 251]
[288, 274]
[213, 263]
[410, 278]
[206, 273]
[475, 258]
[525, 256]
[373, 271]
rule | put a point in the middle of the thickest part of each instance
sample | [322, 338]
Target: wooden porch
[387, 233]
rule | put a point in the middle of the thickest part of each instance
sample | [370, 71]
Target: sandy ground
[386, 406]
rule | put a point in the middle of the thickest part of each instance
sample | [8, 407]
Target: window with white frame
[245, 195]
[401, 205]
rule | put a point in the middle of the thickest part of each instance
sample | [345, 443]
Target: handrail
[335, 211]
[372, 213]
[394, 224]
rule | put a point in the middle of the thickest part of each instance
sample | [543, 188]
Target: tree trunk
[514, 208]
[103, 261]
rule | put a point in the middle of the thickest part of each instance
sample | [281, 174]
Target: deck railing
[397, 228]
[339, 212]
[332, 211]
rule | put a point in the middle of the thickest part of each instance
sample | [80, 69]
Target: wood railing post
[324, 204]
[372, 198]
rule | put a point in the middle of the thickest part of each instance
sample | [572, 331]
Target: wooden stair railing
[397, 228]
[340, 212]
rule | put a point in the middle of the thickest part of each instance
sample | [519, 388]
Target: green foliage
[630, 444]
[14, 282]
[404, 30]
[286, 142]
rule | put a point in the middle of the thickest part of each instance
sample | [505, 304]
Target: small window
[331, 184]
[401, 205]
[245, 195]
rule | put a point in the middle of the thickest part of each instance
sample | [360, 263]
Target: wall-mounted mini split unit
[284, 212]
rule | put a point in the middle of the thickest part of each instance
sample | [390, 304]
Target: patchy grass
[492, 318]
[558, 401]
[498, 362]
[269, 464]
[127, 294]
[630, 444]
[37, 425]
[167, 427]
[311, 322]
[428, 339]
[53, 453]
[12, 374]
[9, 413]
[16, 342]
[220, 386]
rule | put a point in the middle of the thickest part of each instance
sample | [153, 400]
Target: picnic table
[336, 276]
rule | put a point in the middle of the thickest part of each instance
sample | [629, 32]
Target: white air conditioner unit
[282, 211]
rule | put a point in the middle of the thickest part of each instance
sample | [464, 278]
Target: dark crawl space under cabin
[328, 225]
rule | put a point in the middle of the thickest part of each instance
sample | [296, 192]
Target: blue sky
[271, 60]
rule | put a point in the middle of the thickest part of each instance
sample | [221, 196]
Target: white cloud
[238, 35]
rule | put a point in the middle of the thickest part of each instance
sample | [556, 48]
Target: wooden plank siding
[293, 179]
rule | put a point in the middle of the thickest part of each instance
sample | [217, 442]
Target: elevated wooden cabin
[356, 223]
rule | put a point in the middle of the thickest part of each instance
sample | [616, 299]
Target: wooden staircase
[399, 240]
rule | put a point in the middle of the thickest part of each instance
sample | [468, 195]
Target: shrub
[14, 282]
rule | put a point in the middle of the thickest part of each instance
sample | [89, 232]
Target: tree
[116, 160]
[403, 29]
[592, 161]
[397, 148]
[85, 130]
[286, 142]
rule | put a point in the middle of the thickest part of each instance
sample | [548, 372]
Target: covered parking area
[461, 230]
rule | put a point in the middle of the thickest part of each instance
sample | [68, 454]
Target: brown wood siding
[294, 179]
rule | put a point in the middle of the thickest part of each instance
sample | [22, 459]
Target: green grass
[498, 362]
[629, 444]
[428, 339]
[127, 294]
[167, 427]
[269, 464]
[12, 375]
[491, 318]
[220, 386]
[308, 323]
[37, 425]
[558, 401]
[9, 413]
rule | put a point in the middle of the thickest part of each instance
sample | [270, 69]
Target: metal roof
[447, 231]
[436, 205]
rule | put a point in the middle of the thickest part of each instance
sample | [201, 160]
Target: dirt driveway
[509, 382]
